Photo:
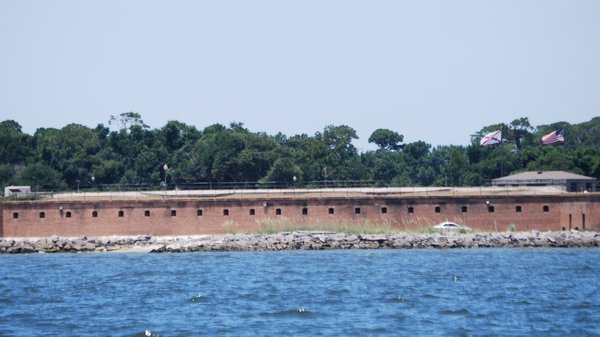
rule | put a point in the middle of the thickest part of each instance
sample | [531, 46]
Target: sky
[431, 70]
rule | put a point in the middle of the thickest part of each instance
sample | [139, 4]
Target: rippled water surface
[479, 292]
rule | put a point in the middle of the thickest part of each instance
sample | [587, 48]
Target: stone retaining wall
[299, 241]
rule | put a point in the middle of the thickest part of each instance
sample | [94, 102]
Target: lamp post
[93, 179]
[166, 169]
[294, 179]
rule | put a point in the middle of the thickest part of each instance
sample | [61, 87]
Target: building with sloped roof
[567, 181]
[17, 191]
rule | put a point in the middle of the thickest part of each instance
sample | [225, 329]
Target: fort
[180, 213]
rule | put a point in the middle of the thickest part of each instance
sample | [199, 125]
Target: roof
[545, 175]
[17, 188]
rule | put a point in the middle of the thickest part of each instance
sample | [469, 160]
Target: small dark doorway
[570, 221]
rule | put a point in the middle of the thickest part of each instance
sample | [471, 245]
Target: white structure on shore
[17, 191]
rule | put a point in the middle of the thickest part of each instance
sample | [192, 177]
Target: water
[478, 292]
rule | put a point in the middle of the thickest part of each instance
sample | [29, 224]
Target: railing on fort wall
[303, 192]
[242, 189]
[27, 196]
[242, 185]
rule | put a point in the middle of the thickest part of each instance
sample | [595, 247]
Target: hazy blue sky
[431, 70]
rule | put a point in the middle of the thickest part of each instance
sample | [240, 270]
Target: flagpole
[501, 158]
[494, 138]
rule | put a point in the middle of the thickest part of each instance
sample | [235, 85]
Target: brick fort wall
[215, 216]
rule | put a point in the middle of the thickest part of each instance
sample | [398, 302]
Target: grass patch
[270, 226]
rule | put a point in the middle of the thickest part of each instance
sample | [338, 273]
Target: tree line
[128, 152]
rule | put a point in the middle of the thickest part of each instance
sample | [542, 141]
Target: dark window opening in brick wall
[173, 212]
[199, 212]
[278, 211]
[94, 214]
[68, 214]
[518, 209]
[252, 211]
[331, 211]
[304, 211]
[438, 209]
[357, 210]
[121, 214]
[464, 209]
[225, 212]
[42, 215]
[411, 210]
[146, 213]
[383, 210]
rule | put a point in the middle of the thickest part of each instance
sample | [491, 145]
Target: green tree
[126, 120]
[450, 163]
[553, 159]
[340, 153]
[7, 175]
[175, 135]
[387, 139]
[416, 155]
[285, 171]
[385, 167]
[16, 146]
[258, 156]
[520, 132]
[72, 151]
[42, 178]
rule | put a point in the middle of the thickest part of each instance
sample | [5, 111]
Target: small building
[17, 191]
[567, 181]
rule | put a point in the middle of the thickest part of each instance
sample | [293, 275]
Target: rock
[7, 244]
[305, 240]
[142, 239]
[373, 238]
[23, 247]
[112, 248]
[162, 249]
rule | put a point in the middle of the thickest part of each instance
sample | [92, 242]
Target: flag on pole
[554, 137]
[491, 138]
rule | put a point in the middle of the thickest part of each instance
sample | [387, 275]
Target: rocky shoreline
[297, 241]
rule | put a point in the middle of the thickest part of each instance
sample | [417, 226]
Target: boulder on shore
[299, 240]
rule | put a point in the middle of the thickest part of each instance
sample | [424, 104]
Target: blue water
[478, 292]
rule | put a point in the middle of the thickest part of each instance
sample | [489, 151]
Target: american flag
[554, 137]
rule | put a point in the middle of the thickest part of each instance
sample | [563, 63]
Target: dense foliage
[132, 154]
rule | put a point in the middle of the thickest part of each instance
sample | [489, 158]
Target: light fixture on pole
[294, 187]
[166, 169]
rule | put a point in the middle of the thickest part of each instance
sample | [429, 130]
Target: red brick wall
[273, 213]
